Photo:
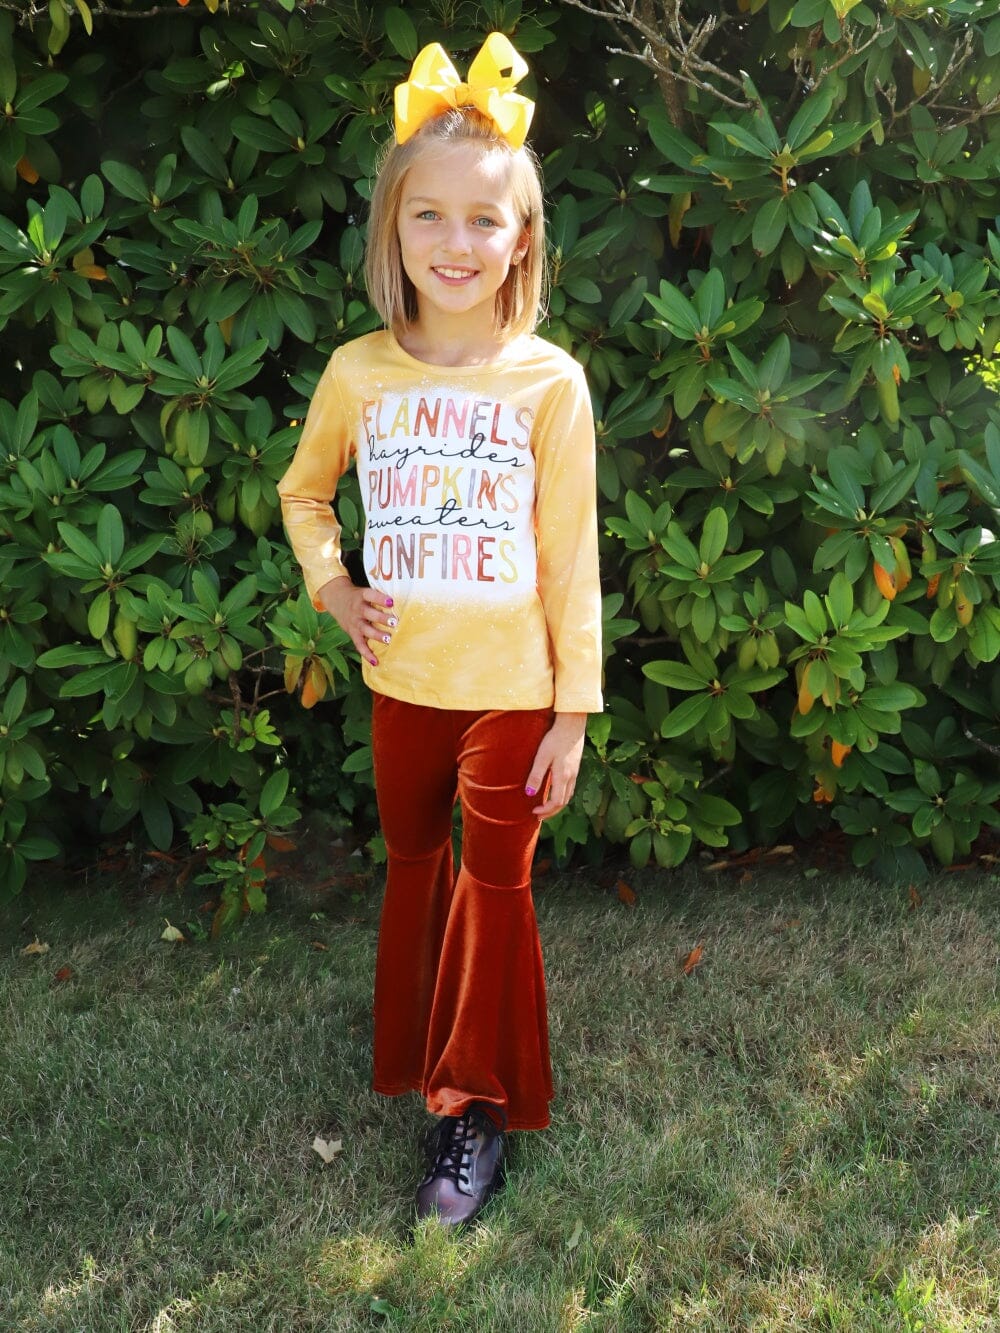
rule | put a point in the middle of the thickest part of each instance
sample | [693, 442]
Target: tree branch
[670, 46]
[849, 54]
[978, 740]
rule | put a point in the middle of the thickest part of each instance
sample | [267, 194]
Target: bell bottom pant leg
[460, 1010]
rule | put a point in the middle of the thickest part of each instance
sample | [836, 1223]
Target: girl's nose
[457, 239]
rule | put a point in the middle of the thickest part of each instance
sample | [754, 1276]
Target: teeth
[455, 272]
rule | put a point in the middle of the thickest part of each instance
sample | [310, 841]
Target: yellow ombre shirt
[479, 493]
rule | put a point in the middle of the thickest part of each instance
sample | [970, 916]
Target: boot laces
[452, 1142]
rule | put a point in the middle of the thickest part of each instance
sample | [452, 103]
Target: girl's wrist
[574, 724]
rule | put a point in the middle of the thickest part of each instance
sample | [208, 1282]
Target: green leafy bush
[785, 291]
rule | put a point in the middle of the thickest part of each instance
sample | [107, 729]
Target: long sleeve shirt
[479, 493]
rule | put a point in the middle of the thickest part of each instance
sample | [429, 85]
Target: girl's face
[459, 233]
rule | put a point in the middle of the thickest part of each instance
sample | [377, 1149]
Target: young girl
[479, 632]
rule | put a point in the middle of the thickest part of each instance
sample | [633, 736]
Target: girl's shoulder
[360, 351]
[535, 354]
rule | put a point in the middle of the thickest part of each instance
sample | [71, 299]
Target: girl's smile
[455, 274]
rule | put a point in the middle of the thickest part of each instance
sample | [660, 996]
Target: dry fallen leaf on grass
[751, 857]
[327, 1148]
[787, 925]
[693, 959]
[915, 898]
[64, 974]
[36, 946]
[626, 894]
[574, 1240]
[172, 935]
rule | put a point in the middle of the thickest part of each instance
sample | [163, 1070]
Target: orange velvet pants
[460, 1011]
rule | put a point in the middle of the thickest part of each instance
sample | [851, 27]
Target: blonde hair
[519, 302]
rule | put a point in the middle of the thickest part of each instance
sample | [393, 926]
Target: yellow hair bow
[434, 86]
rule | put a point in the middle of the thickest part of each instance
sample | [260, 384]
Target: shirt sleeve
[566, 536]
[308, 487]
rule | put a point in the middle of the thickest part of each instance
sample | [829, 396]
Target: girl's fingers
[378, 622]
[377, 612]
[551, 807]
[378, 616]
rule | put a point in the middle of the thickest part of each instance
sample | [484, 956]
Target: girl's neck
[453, 346]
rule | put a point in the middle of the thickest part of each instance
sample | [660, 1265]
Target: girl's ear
[522, 247]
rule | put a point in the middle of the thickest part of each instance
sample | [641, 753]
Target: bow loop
[434, 87]
[495, 56]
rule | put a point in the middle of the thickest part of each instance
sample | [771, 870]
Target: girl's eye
[427, 213]
[485, 222]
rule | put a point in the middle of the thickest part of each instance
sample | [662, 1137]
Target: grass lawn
[802, 1133]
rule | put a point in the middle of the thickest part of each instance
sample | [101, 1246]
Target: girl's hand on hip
[362, 613]
[557, 758]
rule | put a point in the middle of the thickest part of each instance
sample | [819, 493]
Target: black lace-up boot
[466, 1155]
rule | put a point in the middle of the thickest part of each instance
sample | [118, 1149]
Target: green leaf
[738, 703]
[688, 387]
[714, 535]
[815, 614]
[769, 226]
[98, 614]
[715, 810]
[807, 120]
[679, 547]
[184, 353]
[81, 546]
[274, 791]
[582, 289]
[204, 153]
[675, 146]
[127, 181]
[401, 32]
[710, 299]
[844, 468]
[108, 678]
[686, 716]
[730, 565]
[676, 310]
[676, 675]
[8, 76]
[111, 535]
[984, 483]
[264, 135]
[887, 496]
[840, 600]
[628, 303]
[742, 138]
[893, 698]
[796, 620]
[71, 654]
[703, 618]
[157, 819]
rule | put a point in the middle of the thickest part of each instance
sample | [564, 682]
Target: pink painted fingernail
[385, 638]
[529, 791]
[388, 601]
[392, 622]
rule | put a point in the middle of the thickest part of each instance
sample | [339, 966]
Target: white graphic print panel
[448, 481]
